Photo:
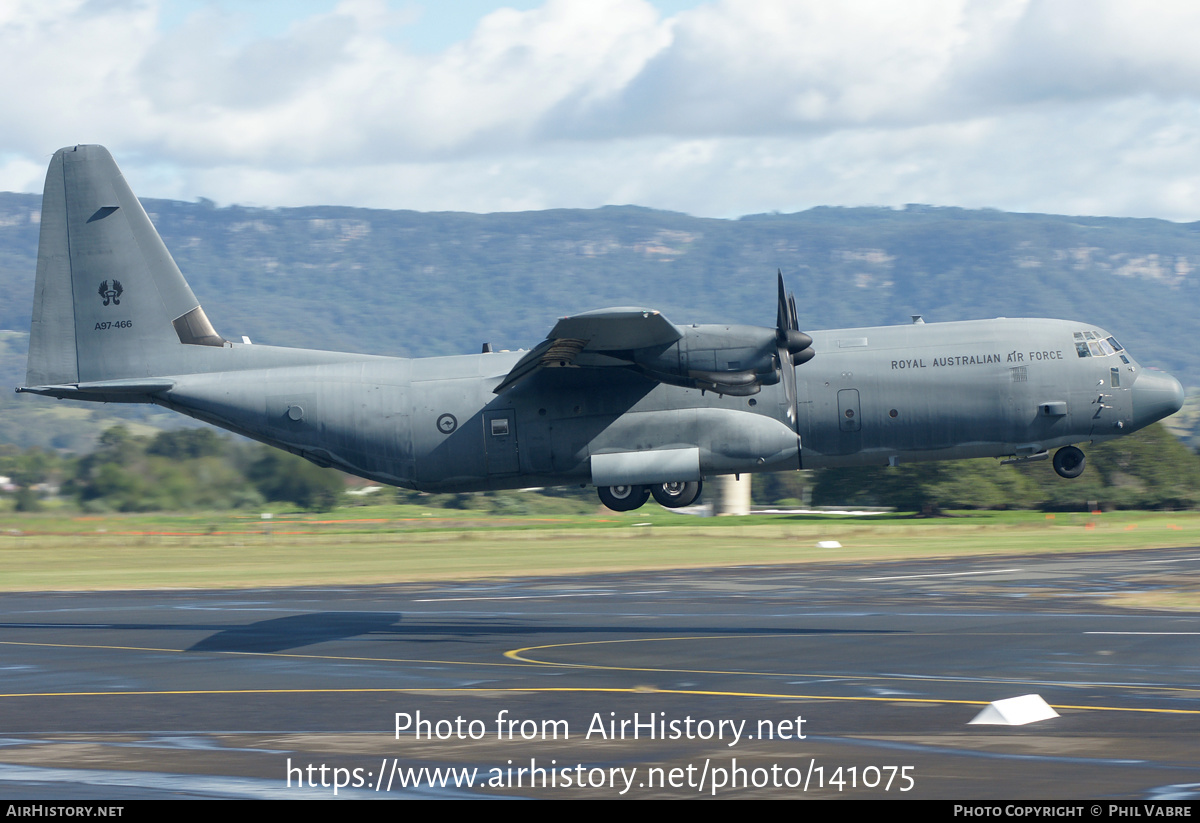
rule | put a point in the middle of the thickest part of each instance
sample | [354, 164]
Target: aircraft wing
[727, 359]
[596, 339]
[618, 329]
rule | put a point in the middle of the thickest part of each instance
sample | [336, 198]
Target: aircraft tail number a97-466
[620, 398]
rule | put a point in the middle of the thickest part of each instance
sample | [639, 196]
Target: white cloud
[726, 108]
[1078, 49]
[20, 174]
[746, 67]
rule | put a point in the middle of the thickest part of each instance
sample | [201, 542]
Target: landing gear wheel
[623, 498]
[1069, 462]
[676, 495]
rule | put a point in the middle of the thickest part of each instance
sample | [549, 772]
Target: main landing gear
[623, 498]
[1069, 462]
[674, 495]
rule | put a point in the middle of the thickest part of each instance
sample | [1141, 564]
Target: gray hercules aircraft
[619, 398]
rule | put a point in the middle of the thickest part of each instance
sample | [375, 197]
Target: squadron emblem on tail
[112, 295]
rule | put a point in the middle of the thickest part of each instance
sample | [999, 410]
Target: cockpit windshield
[1095, 344]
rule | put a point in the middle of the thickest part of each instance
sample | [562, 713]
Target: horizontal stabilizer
[138, 387]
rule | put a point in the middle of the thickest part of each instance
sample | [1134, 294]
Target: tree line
[1150, 469]
[170, 471]
[201, 469]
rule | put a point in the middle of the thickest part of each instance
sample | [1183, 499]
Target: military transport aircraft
[619, 398]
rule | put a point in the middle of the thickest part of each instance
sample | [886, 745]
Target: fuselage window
[1115, 378]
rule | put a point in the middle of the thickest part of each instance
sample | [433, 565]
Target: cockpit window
[1096, 344]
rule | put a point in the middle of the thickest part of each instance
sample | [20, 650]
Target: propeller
[796, 343]
[795, 347]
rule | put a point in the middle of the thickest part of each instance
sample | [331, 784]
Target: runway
[855, 680]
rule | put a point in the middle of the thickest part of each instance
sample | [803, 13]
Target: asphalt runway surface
[855, 680]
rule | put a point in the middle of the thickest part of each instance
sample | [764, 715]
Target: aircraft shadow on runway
[283, 633]
[296, 631]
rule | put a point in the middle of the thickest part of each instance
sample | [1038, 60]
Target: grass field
[390, 544]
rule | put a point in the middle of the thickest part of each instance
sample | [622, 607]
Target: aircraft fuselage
[619, 398]
[987, 388]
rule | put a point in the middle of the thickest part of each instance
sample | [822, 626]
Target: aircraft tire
[677, 494]
[623, 498]
[1069, 462]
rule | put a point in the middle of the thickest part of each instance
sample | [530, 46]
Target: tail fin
[109, 302]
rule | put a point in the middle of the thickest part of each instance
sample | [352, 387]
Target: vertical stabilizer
[109, 302]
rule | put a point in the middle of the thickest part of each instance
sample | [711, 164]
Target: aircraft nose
[1155, 396]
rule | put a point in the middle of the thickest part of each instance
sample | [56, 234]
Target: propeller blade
[783, 316]
[795, 347]
[786, 318]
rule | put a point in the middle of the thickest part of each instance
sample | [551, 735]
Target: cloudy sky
[717, 108]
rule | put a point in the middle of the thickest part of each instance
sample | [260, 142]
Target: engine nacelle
[735, 360]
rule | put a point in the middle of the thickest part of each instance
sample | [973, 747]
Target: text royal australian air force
[952, 345]
[978, 359]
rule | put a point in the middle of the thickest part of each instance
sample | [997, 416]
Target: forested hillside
[409, 283]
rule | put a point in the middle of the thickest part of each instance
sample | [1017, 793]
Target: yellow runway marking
[521, 661]
[263, 654]
[579, 690]
[519, 655]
